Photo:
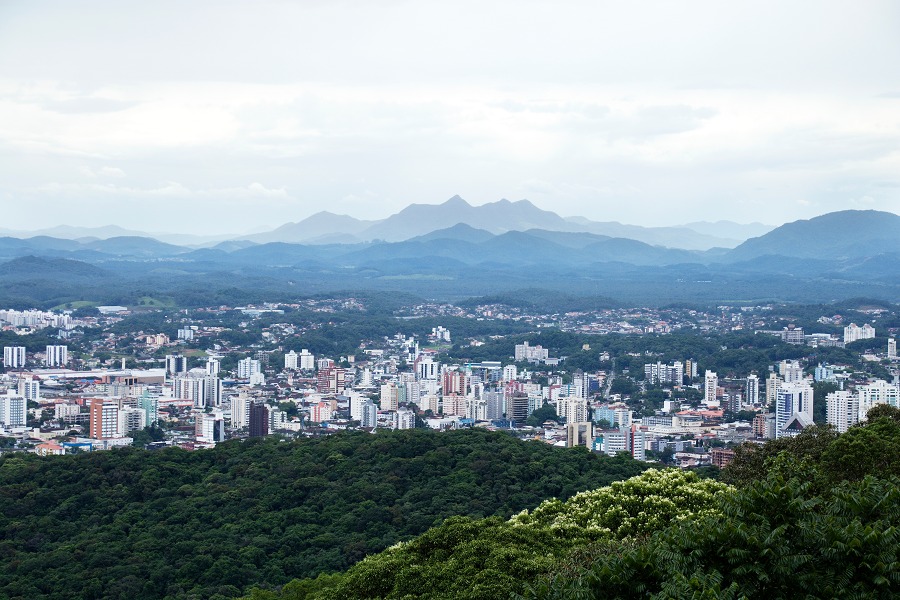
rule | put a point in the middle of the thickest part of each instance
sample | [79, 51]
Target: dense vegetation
[817, 516]
[492, 558]
[208, 524]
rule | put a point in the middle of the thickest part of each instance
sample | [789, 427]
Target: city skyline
[215, 118]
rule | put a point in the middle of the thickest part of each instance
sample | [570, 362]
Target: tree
[542, 414]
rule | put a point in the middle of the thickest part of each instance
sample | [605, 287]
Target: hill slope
[837, 235]
[176, 524]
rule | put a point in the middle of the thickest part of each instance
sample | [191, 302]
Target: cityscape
[449, 301]
[195, 381]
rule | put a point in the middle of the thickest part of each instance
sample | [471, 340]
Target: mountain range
[420, 219]
[841, 254]
[496, 217]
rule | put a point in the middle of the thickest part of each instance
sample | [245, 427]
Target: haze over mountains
[511, 245]
[420, 219]
[495, 217]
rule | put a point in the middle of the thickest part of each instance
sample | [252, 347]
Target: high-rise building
[823, 372]
[427, 368]
[13, 410]
[454, 404]
[773, 384]
[175, 364]
[131, 419]
[853, 333]
[892, 348]
[658, 373]
[369, 414]
[390, 397]
[842, 409]
[240, 411]
[307, 360]
[573, 409]
[213, 366]
[259, 419]
[322, 411]
[150, 405]
[877, 392]
[205, 390]
[710, 386]
[104, 419]
[790, 371]
[517, 408]
[752, 390]
[209, 427]
[579, 434]
[524, 352]
[291, 360]
[494, 405]
[429, 402]
[406, 419]
[793, 335]
[454, 382]
[56, 356]
[356, 406]
[247, 367]
[331, 380]
[795, 398]
[476, 408]
[14, 357]
[690, 368]
[30, 388]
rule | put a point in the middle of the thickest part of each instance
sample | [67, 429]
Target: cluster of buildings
[395, 383]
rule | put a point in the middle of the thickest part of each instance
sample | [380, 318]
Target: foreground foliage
[207, 524]
[775, 539]
[491, 558]
[814, 517]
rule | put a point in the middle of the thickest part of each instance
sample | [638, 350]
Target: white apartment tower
[240, 411]
[790, 371]
[892, 348]
[30, 388]
[248, 367]
[773, 384]
[710, 383]
[291, 360]
[406, 419]
[307, 360]
[752, 390]
[853, 333]
[56, 356]
[13, 410]
[204, 390]
[877, 392]
[14, 357]
[842, 409]
[574, 409]
[426, 368]
[213, 366]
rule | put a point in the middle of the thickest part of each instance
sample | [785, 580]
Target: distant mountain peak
[456, 200]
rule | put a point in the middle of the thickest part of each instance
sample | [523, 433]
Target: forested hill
[815, 516]
[133, 524]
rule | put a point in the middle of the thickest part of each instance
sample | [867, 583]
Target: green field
[150, 301]
[75, 304]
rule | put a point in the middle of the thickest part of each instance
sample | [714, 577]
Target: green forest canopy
[133, 524]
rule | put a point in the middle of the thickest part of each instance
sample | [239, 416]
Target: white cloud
[651, 112]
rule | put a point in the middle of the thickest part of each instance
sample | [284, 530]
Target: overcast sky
[240, 116]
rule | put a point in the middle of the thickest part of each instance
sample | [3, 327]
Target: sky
[235, 117]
